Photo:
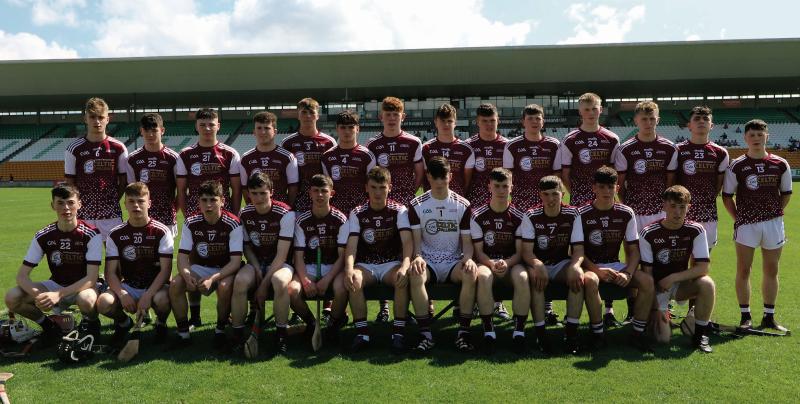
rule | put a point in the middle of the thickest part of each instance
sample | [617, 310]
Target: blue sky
[47, 29]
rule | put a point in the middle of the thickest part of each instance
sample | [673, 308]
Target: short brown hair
[532, 109]
[265, 117]
[206, 113]
[308, 103]
[446, 111]
[151, 120]
[259, 179]
[392, 104]
[676, 193]
[321, 181]
[500, 174]
[64, 191]
[701, 110]
[347, 117]
[379, 175]
[137, 189]
[646, 107]
[438, 167]
[606, 175]
[590, 98]
[211, 188]
[551, 182]
[756, 124]
[95, 106]
[486, 110]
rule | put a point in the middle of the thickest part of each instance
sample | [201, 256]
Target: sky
[59, 29]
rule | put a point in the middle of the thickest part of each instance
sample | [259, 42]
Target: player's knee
[706, 286]
[484, 276]
[293, 288]
[225, 285]
[177, 285]
[644, 283]
[590, 281]
[13, 297]
[105, 302]
[242, 283]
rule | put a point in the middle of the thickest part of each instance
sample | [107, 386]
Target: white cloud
[723, 33]
[24, 46]
[179, 27]
[51, 12]
[601, 24]
[692, 37]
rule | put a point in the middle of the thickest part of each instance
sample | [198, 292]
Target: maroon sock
[464, 322]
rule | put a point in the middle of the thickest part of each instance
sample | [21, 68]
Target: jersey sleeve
[287, 226]
[463, 225]
[371, 163]
[292, 171]
[646, 251]
[577, 231]
[325, 169]
[475, 230]
[557, 159]
[402, 219]
[236, 241]
[34, 255]
[508, 158]
[122, 161]
[566, 155]
[69, 164]
[413, 218]
[180, 168]
[730, 184]
[166, 245]
[236, 163]
[526, 229]
[723, 165]
[418, 152]
[353, 225]
[299, 236]
[112, 252]
[471, 159]
[94, 250]
[615, 152]
[187, 243]
[786, 180]
[621, 163]
[673, 161]
[344, 234]
[700, 247]
[243, 178]
[129, 171]
[631, 230]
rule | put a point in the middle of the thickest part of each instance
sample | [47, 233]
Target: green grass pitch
[742, 370]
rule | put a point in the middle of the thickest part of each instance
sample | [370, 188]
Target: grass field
[749, 369]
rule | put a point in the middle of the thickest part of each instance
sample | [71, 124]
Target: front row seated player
[605, 225]
[379, 248]
[443, 252]
[138, 267]
[268, 235]
[74, 250]
[666, 247]
[496, 229]
[552, 248]
[210, 254]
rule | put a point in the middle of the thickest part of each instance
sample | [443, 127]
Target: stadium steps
[236, 133]
[795, 114]
[28, 144]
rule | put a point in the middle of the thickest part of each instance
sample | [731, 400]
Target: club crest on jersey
[88, 167]
[255, 238]
[197, 169]
[585, 156]
[640, 166]
[336, 173]
[432, 226]
[129, 252]
[596, 237]
[313, 243]
[689, 167]
[480, 164]
[663, 256]
[383, 160]
[202, 249]
[369, 236]
[144, 175]
[488, 238]
[543, 242]
[55, 258]
[301, 158]
[751, 182]
[526, 163]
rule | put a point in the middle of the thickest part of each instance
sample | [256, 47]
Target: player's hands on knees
[190, 281]
[309, 288]
[575, 279]
[623, 279]
[261, 293]
[205, 285]
[500, 267]
[144, 302]
[401, 279]
[350, 281]
[418, 266]
[470, 267]
[539, 276]
[47, 300]
[607, 275]
[127, 302]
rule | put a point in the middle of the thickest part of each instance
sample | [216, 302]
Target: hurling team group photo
[294, 238]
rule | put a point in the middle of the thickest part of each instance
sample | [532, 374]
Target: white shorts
[379, 270]
[711, 233]
[644, 220]
[311, 271]
[173, 230]
[65, 301]
[553, 270]
[265, 267]
[135, 293]
[441, 271]
[616, 266]
[768, 235]
[105, 225]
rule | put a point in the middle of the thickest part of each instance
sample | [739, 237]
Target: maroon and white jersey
[378, 232]
[699, 166]
[158, 171]
[139, 251]
[199, 164]
[348, 169]
[95, 167]
[307, 151]
[262, 232]
[668, 251]
[399, 155]
[488, 156]
[212, 245]
[442, 223]
[279, 164]
[530, 161]
[646, 165]
[605, 230]
[583, 153]
[552, 236]
[68, 253]
[457, 153]
[759, 185]
[499, 231]
[328, 233]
